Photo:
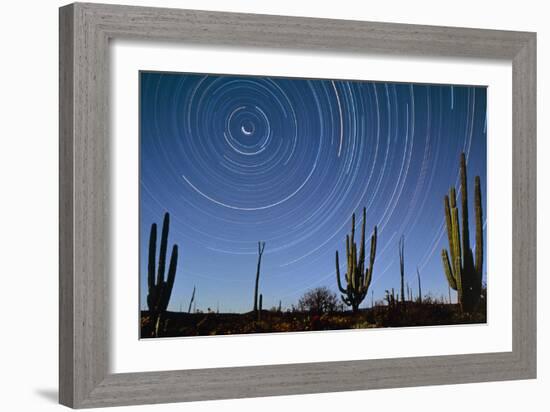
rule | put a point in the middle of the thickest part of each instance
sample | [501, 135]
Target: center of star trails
[247, 128]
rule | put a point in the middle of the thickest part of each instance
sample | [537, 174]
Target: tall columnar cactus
[192, 300]
[419, 286]
[261, 247]
[463, 274]
[159, 288]
[390, 298]
[260, 307]
[358, 276]
[402, 266]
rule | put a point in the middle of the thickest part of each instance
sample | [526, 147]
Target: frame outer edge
[304, 33]
[84, 194]
[66, 211]
[524, 225]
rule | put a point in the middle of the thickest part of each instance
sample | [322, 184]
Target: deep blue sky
[287, 161]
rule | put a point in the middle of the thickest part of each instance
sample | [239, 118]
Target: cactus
[261, 247]
[390, 298]
[419, 286]
[159, 290]
[358, 276]
[402, 266]
[191, 301]
[463, 274]
[260, 304]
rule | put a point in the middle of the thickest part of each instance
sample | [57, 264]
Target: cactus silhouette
[390, 298]
[463, 274]
[261, 247]
[358, 276]
[419, 286]
[192, 300]
[159, 289]
[260, 307]
[402, 266]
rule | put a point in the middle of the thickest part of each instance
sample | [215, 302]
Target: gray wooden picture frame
[85, 31]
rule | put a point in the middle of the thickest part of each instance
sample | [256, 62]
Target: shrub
[318, 300]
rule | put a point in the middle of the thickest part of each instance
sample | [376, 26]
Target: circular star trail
[236, 160]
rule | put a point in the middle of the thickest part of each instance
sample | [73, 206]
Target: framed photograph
[257, 205]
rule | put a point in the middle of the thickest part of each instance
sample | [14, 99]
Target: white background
[28, 173]
[132, 355]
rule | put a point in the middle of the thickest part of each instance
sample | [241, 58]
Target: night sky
[287, 161]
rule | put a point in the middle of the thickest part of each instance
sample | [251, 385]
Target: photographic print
[272, 205]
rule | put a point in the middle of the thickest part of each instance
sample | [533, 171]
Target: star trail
[239, 159]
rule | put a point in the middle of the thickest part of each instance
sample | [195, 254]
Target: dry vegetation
[400, 315]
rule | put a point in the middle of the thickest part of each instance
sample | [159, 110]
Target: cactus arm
[457, 263]
[163, 247]
[479, 228]
[362, 244]
[352, 261]
[456, 252]
[151, 268]
[368, 278]
[347, 248]
[459, 280]
[448, 221]
[152, 257]
[373, 240]
[354, 272]
[448, 269]
[169, 284]
[348, 260]
[352, 239]
[449, 225]
[452, 196]
[172, 267]
[464, 204]
[340, 288]
[368, 272]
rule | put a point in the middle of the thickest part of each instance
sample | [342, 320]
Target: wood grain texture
[66, 229]
[85, 31]
[524, 208]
